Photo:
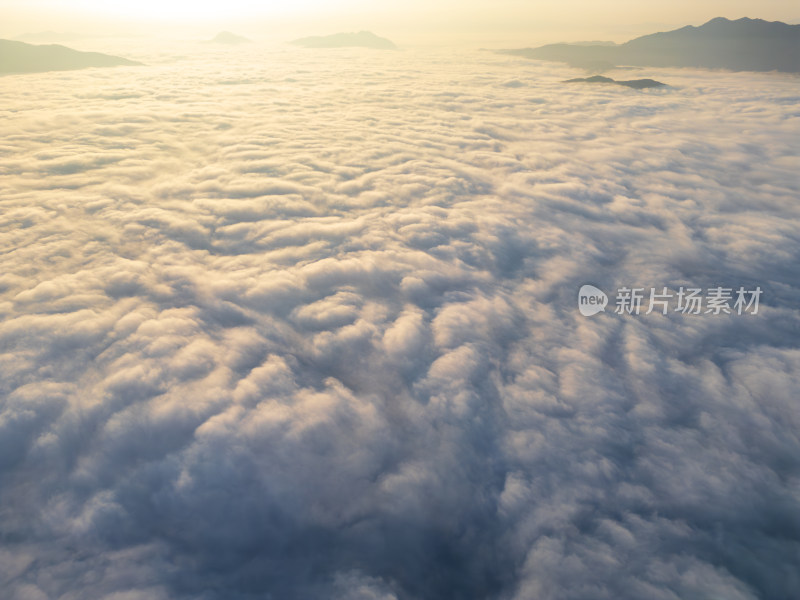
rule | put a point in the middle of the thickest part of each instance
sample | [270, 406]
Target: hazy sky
[415, 18]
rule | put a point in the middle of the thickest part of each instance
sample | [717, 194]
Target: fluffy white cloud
[304, 325]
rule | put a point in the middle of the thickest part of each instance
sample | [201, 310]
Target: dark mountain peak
[744, 24]
[742, 45]
[719, 21]
[738, 27]
[723, 21]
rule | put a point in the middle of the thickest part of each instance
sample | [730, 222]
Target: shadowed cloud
[315, 335]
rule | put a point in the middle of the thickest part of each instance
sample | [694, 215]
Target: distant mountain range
[19, 57]
[362, 39]
[637, 84]
[741, 45]
[54, 37]
[231, 39]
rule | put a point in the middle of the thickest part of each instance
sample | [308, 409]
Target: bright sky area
[420, 20]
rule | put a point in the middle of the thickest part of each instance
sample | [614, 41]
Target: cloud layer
[304, 325]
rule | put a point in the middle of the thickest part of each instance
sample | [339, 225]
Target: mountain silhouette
[54, 37]
[362, 39]
[741, 45]
[638, 84]
[231, 39]
[19, 57]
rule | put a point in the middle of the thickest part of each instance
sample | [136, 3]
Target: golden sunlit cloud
[394, 300]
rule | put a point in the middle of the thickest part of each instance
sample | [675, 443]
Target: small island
[362, 39]
[637, 84]
[19, 57]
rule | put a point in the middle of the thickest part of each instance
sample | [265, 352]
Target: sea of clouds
[291, 324]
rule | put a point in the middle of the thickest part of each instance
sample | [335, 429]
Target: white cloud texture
[297, 324]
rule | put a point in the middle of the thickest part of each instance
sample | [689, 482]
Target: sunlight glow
[186, 10]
